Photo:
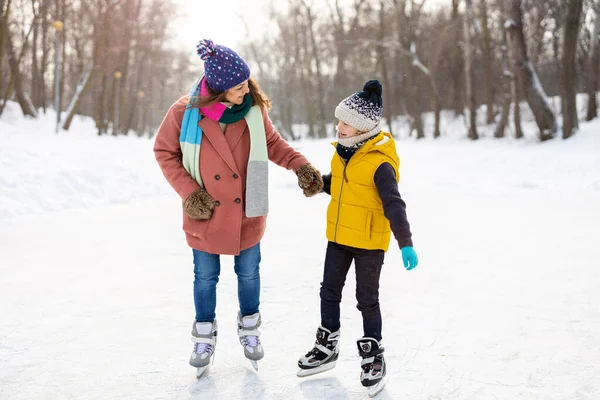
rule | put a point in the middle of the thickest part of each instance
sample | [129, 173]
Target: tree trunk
[592, 77]
[343, 47]
[127, 103]
[305, 83]
[516, 109]
[467, 26]
[45, 26]
[457, 62]
[101, 120]
[319, 94]
[134, 98]
[507, 79]
[80, 91]
[406, 37]
[428, 74]
[381, 60]
[35, 84]
[503, 123]
[22, 97]
[526, 77]
[63, 50]
[569, 81]
[487, 62]
[436, 106]
[4, 12]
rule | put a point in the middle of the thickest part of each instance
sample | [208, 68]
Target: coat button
[217, 177]
[238, 200]
[217, 203]
[235, 176]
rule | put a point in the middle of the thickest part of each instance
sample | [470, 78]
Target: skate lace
[250, 340]
[375, 365]
[203, 348]
[313, 352]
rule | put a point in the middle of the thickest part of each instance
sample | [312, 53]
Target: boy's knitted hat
[362, 110]
[223, 67]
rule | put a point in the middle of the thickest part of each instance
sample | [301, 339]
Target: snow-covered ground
[96, 278]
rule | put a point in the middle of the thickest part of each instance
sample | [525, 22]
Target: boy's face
[345, 130]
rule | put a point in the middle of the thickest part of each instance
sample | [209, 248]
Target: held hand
[409, 257]
[310, 180]
[199, 205]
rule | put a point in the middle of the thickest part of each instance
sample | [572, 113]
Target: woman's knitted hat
[223, 67]
[362, 110]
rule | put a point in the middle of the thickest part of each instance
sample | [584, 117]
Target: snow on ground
[96, 278]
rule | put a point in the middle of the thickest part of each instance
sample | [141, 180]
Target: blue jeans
[207, 268]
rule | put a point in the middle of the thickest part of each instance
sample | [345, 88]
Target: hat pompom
[373, 86]
[372, 92]
[205, 49]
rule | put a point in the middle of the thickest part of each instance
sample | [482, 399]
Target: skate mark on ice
[323, 388]
[252, 387]
[202, 388]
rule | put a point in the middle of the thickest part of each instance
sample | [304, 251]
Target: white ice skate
[204, 336]
[250, 337]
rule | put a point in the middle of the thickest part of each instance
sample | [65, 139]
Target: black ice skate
[373, 369]
[323, 355]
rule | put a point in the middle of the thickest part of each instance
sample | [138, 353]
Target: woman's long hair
[259, 98]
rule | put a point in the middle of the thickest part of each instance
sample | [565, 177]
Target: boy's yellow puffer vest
[355, 214]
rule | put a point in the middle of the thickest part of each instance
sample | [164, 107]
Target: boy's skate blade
[200, 371]
[317, 370]
[374, 390]
[254, 364]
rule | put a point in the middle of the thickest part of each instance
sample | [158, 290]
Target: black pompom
[373, 86]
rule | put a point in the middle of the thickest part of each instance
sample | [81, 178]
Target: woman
[213, 148]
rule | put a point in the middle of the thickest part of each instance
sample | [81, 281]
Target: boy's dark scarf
[347, 152]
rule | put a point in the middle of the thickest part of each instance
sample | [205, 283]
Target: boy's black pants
[367, 264]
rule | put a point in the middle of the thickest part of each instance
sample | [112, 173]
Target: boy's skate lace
[250, 340]
[313, 352]
[203, 348]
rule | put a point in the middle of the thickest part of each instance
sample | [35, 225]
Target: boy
[365, 207]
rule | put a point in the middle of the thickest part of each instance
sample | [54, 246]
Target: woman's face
[236, 94]
[345, 130]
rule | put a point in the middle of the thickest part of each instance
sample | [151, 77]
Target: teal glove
[409, 256]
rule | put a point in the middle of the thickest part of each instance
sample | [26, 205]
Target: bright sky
[220, 21]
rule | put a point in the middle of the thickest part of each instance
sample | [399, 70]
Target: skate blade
[254, 364]
[200, 371]
[317, 370]
[374, 390]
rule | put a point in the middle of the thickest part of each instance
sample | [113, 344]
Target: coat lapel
[234, 132]
[213, 133]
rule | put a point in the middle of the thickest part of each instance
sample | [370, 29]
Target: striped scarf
[190, 139]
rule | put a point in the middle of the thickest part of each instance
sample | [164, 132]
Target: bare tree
[507, 83]
[14, 62]
[407, 17]
[592, 74]
[487, 60]
[571, 31]
[526, 76]
[4, 13]
[457, 60]
[468, 26]
[77, 98]
[382, 61]
[343, 35]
